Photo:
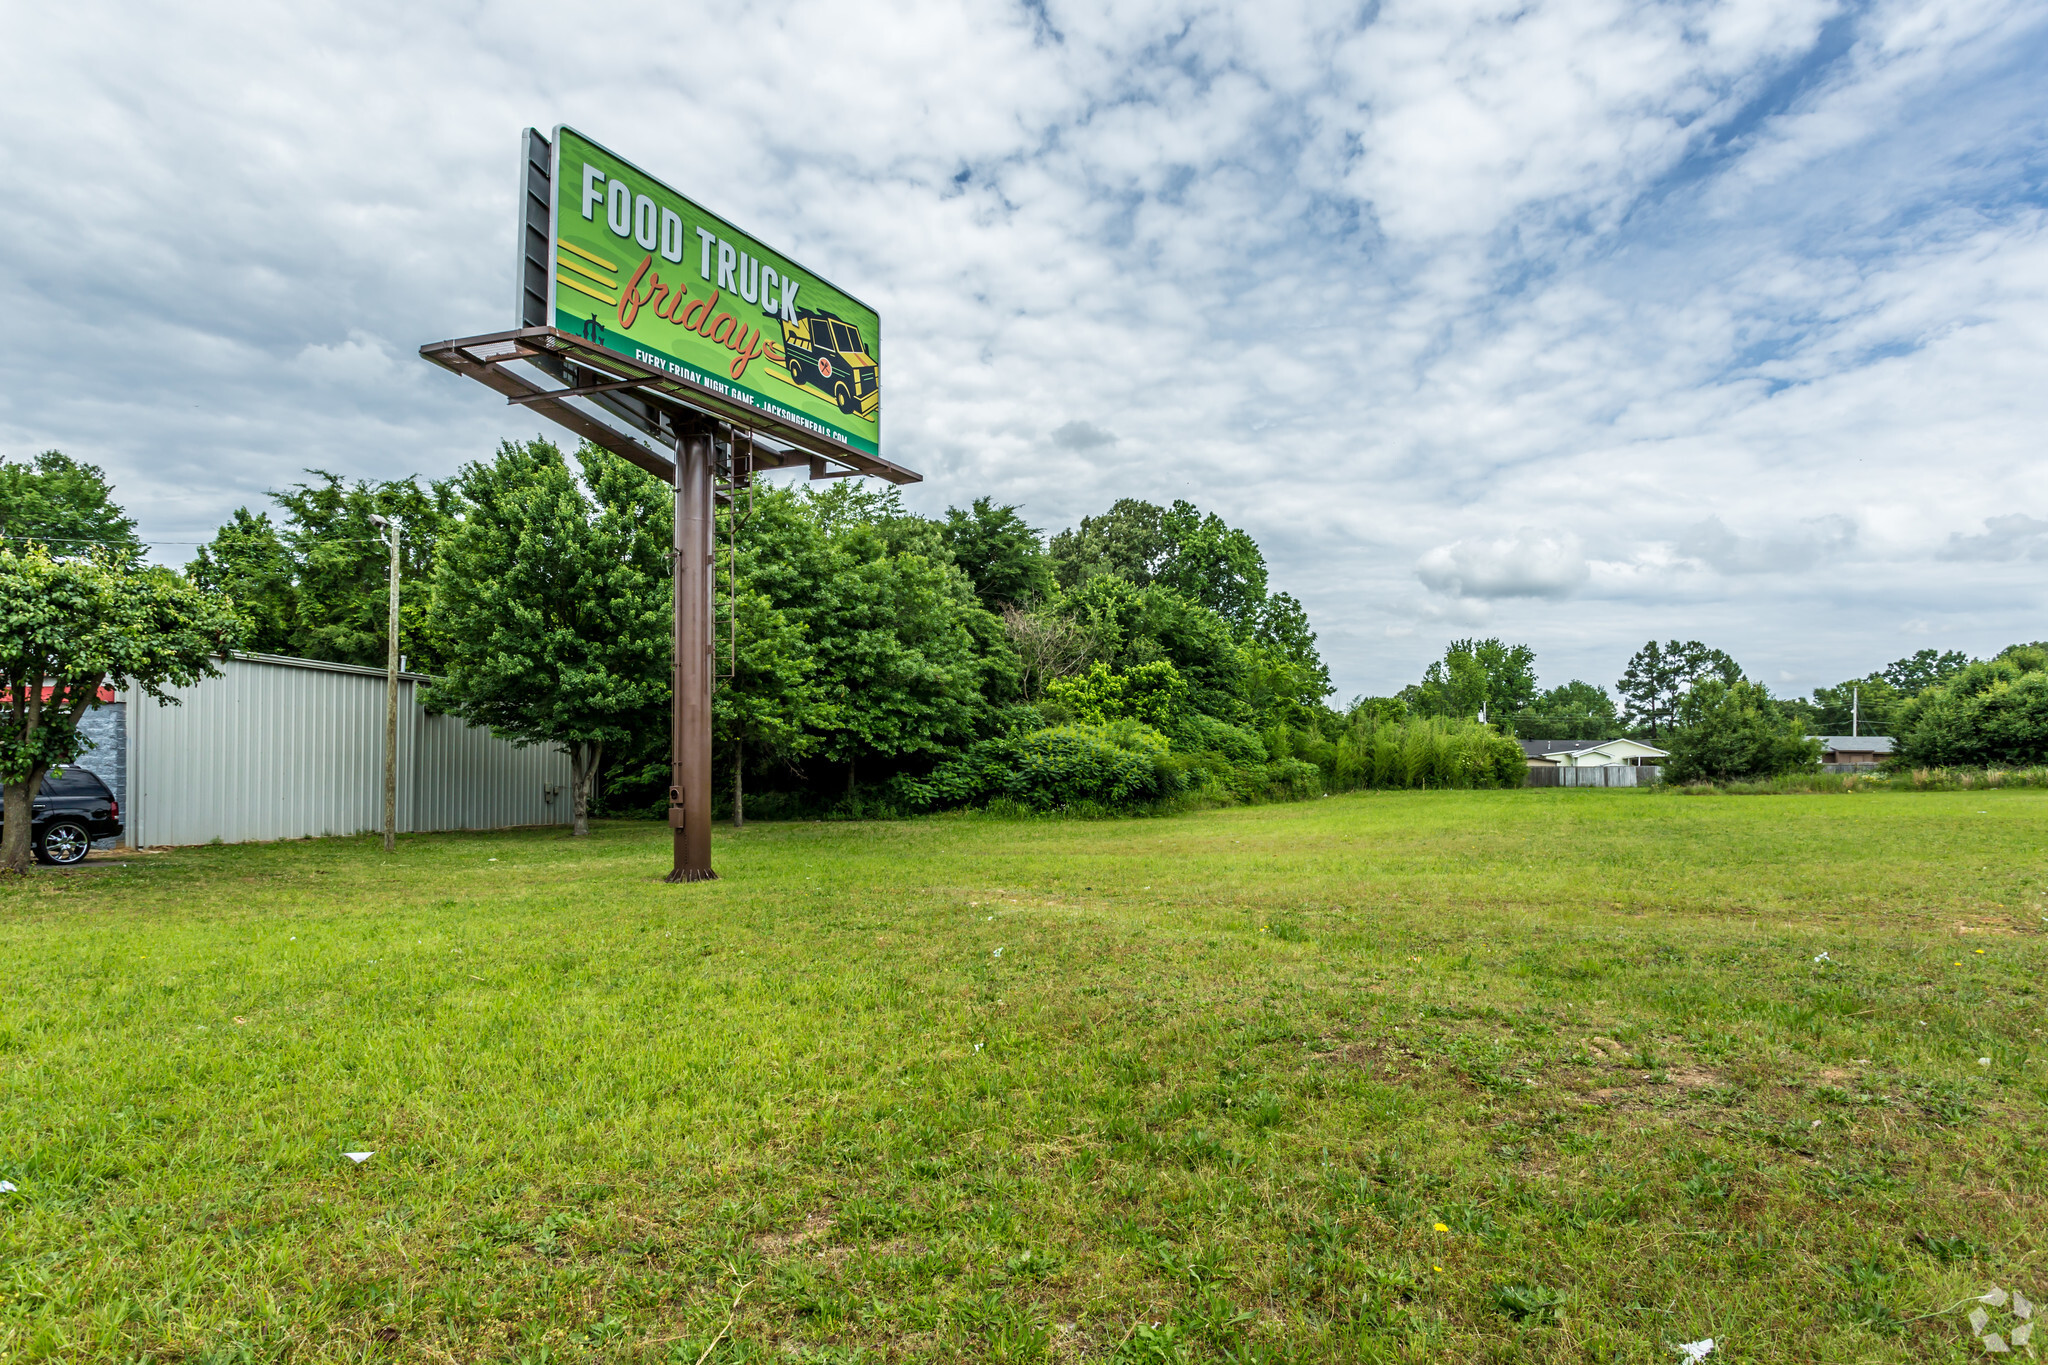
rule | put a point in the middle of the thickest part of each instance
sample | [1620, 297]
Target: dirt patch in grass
[1696, 1078]
[806, 1234]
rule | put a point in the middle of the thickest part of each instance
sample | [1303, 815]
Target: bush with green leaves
[1733, 731]
[1150, 693]
[1992, 713]
[1197, 733]
[1119, 765]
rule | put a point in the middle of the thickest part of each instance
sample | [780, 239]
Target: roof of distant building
[1861, 744]
[1543, 748]
[1535, 747]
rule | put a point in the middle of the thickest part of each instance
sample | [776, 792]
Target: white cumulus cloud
[1526, 564]
[1736, 303]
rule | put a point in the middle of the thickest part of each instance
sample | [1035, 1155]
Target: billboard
[638, 268]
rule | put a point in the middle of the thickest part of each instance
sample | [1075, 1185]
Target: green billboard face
[641, 270]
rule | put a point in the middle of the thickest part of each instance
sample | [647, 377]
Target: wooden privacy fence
[1604, 775]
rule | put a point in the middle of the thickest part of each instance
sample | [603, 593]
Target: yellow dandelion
[1443, 1227]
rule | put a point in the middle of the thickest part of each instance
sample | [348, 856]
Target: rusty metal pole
[689, 792]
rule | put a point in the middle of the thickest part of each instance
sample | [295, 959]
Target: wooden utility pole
[689, 792]
[391, 696]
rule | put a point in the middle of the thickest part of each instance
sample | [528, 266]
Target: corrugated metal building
[280, 748]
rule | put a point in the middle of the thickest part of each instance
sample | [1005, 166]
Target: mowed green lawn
[1536, 1075]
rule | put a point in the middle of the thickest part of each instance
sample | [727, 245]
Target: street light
[390, 528]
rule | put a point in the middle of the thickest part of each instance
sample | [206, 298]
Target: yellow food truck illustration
[827, 355]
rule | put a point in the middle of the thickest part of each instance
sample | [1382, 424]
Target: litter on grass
[6, 1187]
[1695, 1350]
[2018, 1333]
[359, 1157]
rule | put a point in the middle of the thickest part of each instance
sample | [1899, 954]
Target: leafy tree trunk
[739, 795]
[584, 758]
[17, 842]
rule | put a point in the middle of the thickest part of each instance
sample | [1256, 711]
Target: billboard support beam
[650, 374]
[689, 792]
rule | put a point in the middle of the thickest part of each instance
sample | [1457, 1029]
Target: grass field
[1532, 1075]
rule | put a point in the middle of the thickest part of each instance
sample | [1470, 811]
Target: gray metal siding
[283, 749]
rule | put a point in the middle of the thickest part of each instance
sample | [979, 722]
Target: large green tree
[1003, 557]
[64, 504]
[551, 593]
[1728, 731]
[1573, 710]
[72, 625]
[1923, 669]
[314, 582]
[1475, 675]
[79, 611]
[1128, 541]
[1213, 565]
[1659, 676]
[766, 705]
[1991, 713]
[1868, 706]
[1205, 560]
[1130, 625]
[909, 660]
[1281, 629]
[248, 562]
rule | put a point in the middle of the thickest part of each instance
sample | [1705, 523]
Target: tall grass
[1905, 780]
[1423, 753]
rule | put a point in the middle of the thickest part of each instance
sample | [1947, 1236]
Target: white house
[1590, 753]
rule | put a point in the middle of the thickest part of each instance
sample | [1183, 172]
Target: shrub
[1734, 731]
[1291, 779]
[1117, 765]
[1993, 713]
[1195, 732]
[1150, 693]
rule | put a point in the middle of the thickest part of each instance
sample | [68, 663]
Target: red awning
[107, 694]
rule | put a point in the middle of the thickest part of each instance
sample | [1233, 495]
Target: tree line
[1941, 708]
[871, 660]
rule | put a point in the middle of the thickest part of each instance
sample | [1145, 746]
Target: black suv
[73, 808]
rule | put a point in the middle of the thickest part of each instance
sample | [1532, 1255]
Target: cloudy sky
[1576, 323]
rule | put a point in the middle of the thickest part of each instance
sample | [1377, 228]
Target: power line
[152, 544]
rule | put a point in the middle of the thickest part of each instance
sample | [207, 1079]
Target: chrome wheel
[65, 842]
